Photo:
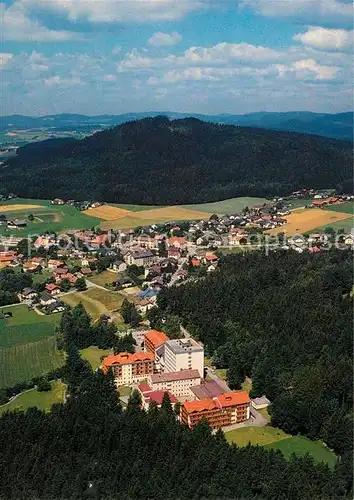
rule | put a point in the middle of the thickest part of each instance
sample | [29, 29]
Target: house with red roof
[177, 242]
[52, 289]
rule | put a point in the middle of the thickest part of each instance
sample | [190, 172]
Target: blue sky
[206, 56]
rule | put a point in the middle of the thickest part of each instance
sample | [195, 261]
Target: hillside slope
[158, 161]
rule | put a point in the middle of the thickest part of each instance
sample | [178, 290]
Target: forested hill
[337, 126]
[285, 320]
[158, 161]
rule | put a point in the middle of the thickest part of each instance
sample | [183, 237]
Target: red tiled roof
[126, 358]
[318, 202]
[50, 287]
[223, 401]
[157, 396]
[177, 239]
[233, 399]
[99, 240]
[156, 338]
[211, 257]
[144, 388]
[201, 405]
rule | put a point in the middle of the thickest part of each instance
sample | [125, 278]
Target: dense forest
[285, 320]
[158, 161]
[90, 447]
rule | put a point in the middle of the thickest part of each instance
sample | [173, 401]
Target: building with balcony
[183, 354]
[128, 368]
[226, 409]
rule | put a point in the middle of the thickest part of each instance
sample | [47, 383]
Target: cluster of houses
[80, 205]
[11, 223]
[176, 367]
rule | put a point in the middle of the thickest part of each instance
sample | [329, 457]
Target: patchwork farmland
[46, 217]
[27, 345]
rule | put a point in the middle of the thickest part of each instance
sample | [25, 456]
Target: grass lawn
[255, 435]
[42, 400]
[276, 439]
[103, 278]
[247, 385]
[25, 361]
[221, 373]
[48, 217]
[238, 249]
[124, 390]
[346, 207]
[136, 208]
[95, 300]
[25, 326]
[93, 355]
[301, 445]
[346, 224]
[41, 277]
[299, 203]
[230, 206]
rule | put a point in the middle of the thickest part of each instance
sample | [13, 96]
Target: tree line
[158, 161]
[90, 447]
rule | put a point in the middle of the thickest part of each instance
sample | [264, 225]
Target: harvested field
[107, 212]
[305, 220]
[171, 213]
[154, 216]
[17, 208]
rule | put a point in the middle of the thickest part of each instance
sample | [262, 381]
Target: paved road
[175, 277]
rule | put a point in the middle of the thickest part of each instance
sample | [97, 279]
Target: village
[140, 262]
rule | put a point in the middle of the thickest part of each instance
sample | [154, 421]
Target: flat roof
[173, 376]
[181, 346]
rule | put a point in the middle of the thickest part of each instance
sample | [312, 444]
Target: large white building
[183, 354]
[177, 383]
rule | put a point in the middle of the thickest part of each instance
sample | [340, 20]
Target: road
[175, 277]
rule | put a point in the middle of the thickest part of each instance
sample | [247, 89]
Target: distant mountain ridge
[337, 126]
[158, 161]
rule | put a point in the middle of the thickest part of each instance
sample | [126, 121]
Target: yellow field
[106, 212]
[171, 213]
[302, 221]
[153, 216]
[14, 208]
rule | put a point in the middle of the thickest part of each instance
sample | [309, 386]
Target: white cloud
[308, 69]
[323, 38]
[62, 82]
[111, 11]
[222, 53]
[5, 58]
[160, 39]
[313, 11]
[109, 78]
[17, 25]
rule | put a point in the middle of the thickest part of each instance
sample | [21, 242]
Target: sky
[194, 56]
